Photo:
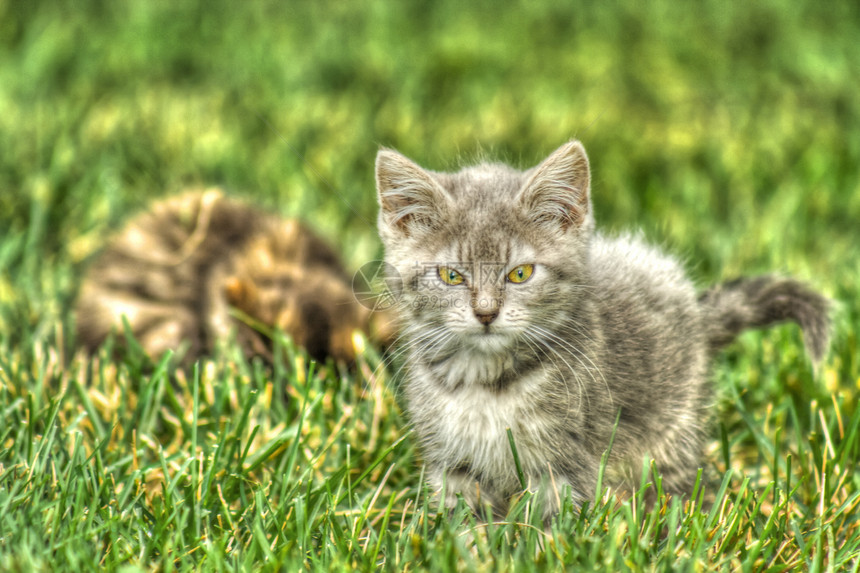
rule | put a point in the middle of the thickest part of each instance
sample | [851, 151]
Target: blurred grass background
[727, 131]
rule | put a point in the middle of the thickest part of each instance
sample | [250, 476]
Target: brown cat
[194, 267]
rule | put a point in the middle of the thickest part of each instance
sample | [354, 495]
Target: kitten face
[481, 307]
[485, 254]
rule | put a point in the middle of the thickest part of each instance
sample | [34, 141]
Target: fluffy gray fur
[605, 329]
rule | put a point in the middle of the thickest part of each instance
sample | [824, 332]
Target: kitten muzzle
[486, 317]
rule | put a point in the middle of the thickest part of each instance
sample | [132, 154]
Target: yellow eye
[450, 276]
[521, 274]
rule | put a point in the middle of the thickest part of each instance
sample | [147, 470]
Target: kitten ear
[557, 193]
[410, 200]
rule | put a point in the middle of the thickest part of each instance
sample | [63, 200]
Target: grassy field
[728, 133]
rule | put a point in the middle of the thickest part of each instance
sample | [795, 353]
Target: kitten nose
[485, 317]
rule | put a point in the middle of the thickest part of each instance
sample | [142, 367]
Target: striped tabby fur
[176, 271]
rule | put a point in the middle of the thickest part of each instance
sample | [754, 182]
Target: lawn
[727, 132]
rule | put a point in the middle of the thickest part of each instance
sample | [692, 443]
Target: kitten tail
[758, 302]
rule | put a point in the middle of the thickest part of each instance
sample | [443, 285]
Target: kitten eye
[450, 276]
[521, 274]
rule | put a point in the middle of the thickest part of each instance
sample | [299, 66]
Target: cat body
[518, 316]
[179, 273]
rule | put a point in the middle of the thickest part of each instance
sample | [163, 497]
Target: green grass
[728, 132]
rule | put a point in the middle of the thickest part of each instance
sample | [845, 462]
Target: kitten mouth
[490, 340]
[491, 331]
[484, 332]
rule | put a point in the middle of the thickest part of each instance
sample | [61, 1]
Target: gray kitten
[517, 314]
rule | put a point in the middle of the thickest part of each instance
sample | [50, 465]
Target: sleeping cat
[517, 314]
[197, 265]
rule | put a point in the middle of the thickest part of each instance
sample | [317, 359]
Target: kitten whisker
[540, 347]
[413, 338]
[579, 355]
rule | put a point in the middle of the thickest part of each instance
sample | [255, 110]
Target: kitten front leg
[459, 481]
[550, 489]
